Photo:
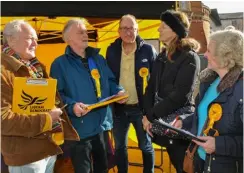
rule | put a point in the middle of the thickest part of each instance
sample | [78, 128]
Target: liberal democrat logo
[33, 103]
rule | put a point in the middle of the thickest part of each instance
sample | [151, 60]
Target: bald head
[128, 17]
[128, 28]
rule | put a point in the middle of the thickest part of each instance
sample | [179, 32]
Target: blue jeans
[42, 166]
[122, 119]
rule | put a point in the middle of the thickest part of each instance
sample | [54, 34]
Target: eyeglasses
[82, 32]
[125, 29]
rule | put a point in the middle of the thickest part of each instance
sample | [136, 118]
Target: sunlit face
[210, 55]
[24, 43]
[78, 36]
[166, 34]
[128, 30]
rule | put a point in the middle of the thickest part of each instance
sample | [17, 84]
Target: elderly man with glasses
[130, 59]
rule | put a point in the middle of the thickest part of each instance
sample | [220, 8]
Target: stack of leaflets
[107, 101]
[186, 134]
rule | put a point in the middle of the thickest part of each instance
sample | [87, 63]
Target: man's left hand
[122, 93]
[208, 145]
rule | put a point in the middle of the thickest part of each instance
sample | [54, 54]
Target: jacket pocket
[223, 165]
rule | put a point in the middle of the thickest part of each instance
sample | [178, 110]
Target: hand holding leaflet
[182, 132]
[172, 123]
[106, 101]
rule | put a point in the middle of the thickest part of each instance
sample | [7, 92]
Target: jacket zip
[209, 163]
[205, 125]
[201, 134]
[237, 167]
[210, 157]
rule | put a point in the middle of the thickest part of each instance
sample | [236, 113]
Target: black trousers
[176, 153]
[89, 151]
[176, 149]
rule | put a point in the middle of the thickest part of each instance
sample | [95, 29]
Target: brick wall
[200, 23]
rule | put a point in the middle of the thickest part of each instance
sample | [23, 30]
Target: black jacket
[174, 82]
[144, 57]
[228, 157]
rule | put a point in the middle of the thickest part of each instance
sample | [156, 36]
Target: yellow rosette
[96, 76]
[143, 72]
[58, 137]
[214, 114]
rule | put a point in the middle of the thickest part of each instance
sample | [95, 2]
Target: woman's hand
[147, 125]
[178, 124]
[208, 145]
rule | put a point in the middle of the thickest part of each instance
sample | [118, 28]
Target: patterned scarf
[33, 65]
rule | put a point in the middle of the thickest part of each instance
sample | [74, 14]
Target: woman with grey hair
[218, 118]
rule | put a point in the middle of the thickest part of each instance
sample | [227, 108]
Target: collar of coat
[13, 62]
[228, 80]
[90, 51]
[139, 42]
[16, 64]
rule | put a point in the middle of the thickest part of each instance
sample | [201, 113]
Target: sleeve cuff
[70, 111]
[150, 116]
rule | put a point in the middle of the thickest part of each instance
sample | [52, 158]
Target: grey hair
[12, 28]
[229, 47]
[230, 27]
[68, 25]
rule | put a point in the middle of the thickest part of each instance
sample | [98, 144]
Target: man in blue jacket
[84, 78]
[131, 59]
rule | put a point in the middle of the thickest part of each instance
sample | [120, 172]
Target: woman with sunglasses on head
[173, 79]
[218, 118]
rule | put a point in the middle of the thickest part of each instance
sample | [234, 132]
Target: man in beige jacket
[28, 142]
